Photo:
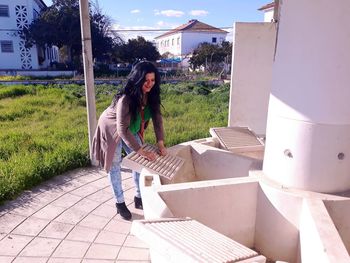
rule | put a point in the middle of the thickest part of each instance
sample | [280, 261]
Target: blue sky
[167, 14]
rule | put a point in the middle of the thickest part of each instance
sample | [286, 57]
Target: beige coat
[113, 125]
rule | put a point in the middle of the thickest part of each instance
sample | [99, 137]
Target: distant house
[182, 40]
[268, 11]
[16, 15]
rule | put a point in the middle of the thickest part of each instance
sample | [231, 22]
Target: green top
[135, 125]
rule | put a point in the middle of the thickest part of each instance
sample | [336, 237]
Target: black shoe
[138, 202]
[123, 211]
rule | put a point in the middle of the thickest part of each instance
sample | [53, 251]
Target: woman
[122, 125]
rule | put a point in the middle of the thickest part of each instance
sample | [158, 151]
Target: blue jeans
[115, 172]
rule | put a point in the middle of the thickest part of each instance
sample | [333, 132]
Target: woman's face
[150, 79]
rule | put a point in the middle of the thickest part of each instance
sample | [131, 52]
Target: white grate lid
[192, 238]
[237, 139]
[166, 166]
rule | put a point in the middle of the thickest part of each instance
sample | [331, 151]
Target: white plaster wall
[277, 224]
[191, 40]
[188, 42]
[9, 27]
[319, 238]
[173, 49]
[10, 60]
[211, 163]
[252, 59]
[268, 15]
[339, 211]
[227, 206]
[308, 141]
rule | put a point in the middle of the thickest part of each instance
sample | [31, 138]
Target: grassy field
[43, 129]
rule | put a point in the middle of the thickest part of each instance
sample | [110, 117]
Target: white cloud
[129, 32]
[162, 24]
[135, 11]
[169, 13]
[198, 13]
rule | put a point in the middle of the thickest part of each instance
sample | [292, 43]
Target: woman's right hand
[150, 156]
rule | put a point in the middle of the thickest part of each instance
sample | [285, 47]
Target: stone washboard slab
[187, 240]
[166, 166]
[237, 139]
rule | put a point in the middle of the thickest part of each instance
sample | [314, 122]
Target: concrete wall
[215, 204]
[252, 58]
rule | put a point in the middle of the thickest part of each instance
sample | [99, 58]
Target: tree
[59, 25]
[136, 49]
[210, 56]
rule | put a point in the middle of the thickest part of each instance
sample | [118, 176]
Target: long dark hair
[133, 88]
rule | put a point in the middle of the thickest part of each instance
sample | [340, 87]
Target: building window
[172, 42]
[6, 46]
[4, 10]
[213, 40]
[178, 41]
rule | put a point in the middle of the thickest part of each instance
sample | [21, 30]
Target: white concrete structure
[16, 15]
[290, 210]
[252, 57]
[182, 40]
[308, 129]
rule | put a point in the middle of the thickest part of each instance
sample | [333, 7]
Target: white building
[182, 40]
[16, 15]
[268, 11]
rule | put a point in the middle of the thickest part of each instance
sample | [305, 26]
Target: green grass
[43, 129]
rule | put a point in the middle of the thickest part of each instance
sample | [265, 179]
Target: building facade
[268, 10]
[181, 41]
[14, 16]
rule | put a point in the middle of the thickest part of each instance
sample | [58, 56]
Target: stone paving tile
[80, 233]
[4, 259]
[101, 251]
[56, 230]
[85, 190]
[2, 235]
[9, 221]
[130, 253]
[106, 211]
[73, 219]
[100, 196]
[13, 244]
[71, 249]
[122, 227]
[64, 260]
[94, 221]
[49, 212]
[40, 247]
[133, 241]
[110, 238]
[111, 203]
[99, 261]
[86, 179]
[101, 183]
[132, 261]
[30, 260]
[31, 226]
[66, 200]
[86, 205]
[71, 216]
[49, 195]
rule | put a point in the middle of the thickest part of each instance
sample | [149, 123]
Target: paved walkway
[71, 218]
